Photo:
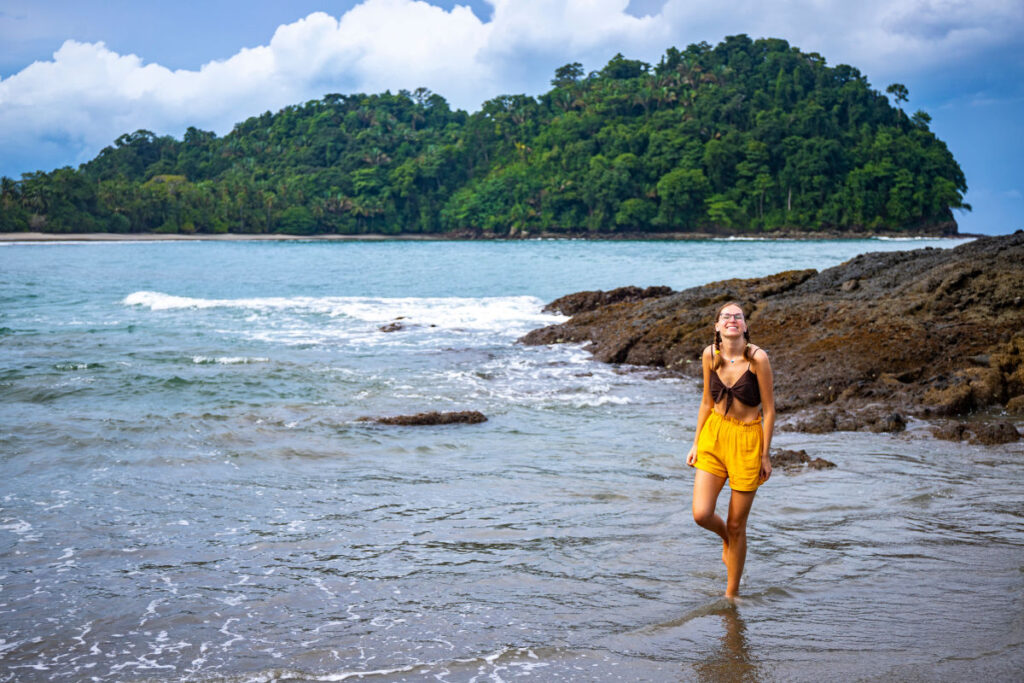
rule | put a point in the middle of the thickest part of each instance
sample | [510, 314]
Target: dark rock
[581, 302]
[430, 418]
[914, 336]
[820, 422]
[994, 433]
[786, 458]
[845, 422]
[789, 460]
[893, 422]
[392, 327]
[950, 431]
[985, 433]
[1015, 406]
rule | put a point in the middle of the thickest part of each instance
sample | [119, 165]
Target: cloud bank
[66, 109]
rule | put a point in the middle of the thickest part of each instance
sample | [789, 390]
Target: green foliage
[682, 192]
[748, 135]
[297, 220]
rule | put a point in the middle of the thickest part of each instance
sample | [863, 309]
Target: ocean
[188, 492]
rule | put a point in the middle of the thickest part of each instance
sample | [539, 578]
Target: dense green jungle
[748, 136]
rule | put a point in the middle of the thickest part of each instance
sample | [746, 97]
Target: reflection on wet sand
[732, 660]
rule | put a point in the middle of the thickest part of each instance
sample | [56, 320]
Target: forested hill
[746, 136]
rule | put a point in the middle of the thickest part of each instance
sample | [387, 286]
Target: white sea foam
[361, 320]
[466, 312]
[15, 526]
[227, 360]
[919, 238]
[554, 377]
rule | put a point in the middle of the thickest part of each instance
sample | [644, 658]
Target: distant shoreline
[450, 237]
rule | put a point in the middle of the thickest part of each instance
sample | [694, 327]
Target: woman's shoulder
[758, 355]
[708, 353]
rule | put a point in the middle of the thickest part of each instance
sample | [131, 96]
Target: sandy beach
[445, 237]
[225, 237]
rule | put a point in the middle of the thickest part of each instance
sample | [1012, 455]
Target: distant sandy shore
[446, 237]
[226, 237]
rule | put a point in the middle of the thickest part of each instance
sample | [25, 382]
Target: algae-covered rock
[430, 418]
[994, 433]
[1015, 406]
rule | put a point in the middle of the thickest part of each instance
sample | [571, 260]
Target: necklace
[731, 360]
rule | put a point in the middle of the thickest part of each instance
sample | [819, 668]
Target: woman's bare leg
[706, 487]
[736, 539]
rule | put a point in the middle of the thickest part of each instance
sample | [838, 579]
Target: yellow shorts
[731, 449]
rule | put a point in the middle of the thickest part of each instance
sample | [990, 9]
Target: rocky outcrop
[430, 418]
[927, 333]
[987, 433]
[795, 460]
[581, 302]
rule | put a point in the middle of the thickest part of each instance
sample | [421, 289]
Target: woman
[734, 433]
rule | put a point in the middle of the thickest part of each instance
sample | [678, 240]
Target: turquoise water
[188, 492]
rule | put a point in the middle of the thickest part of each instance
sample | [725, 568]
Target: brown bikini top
[745, 389]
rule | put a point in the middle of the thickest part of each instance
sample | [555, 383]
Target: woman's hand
[691, 457]
[766, 468]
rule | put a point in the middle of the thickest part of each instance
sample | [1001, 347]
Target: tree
[899, 92]
[681, 193]
[297, 220]
[620, 68]
[745, 135]
[567, 75]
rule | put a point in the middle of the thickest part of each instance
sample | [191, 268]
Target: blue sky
[76, 74]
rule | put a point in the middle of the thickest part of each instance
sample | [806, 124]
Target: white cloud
[87, 95]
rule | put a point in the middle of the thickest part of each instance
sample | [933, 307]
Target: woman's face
[731, 322]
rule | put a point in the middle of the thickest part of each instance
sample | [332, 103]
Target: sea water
[188, 492]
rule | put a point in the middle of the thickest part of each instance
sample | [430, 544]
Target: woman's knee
[736, 527]
[704, 517]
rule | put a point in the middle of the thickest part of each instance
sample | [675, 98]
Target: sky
[76, 74]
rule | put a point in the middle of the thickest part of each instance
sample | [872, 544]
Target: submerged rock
[987, 433]
[928, 333]
[789, 460]
[994, 433]
[393, 326]
[951, 431]
[430, 418]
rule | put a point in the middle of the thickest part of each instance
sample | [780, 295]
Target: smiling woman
[734, 434]
[188, 492]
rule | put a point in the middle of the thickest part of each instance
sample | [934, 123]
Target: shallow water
[187, 492]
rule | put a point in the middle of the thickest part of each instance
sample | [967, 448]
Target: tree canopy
[746, 136]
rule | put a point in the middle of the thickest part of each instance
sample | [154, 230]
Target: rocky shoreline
[935, 334]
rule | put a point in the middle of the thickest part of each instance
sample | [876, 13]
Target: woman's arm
[706, 405]
[766, 383]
